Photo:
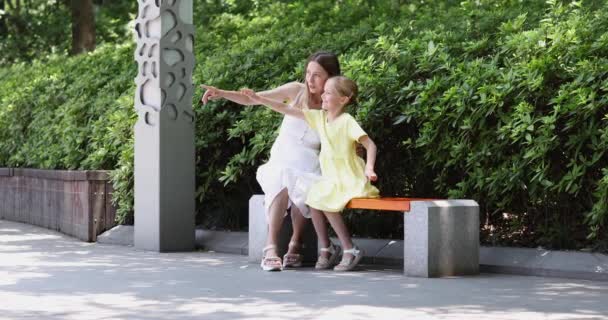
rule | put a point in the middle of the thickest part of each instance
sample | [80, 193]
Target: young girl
[344, 174]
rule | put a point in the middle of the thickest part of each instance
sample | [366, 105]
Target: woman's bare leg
[276, 214]
[298, 221]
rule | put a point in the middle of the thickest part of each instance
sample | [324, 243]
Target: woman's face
[315, 77]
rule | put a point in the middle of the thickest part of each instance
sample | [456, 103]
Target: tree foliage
[39, 29]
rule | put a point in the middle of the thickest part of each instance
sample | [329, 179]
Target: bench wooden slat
[385, 204]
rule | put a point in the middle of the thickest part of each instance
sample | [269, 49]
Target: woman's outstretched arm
[285, 92]
[273, 104]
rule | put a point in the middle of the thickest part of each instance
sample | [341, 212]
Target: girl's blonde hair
[346, 88]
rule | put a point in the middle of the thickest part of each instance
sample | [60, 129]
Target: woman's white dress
[293, 164]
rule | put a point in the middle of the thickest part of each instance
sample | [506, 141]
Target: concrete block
[370, 247]
[441, 238]
[227, 242]
[545, 263]
[119, 235]
[391, 254]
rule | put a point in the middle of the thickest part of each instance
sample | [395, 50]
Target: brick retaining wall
[73, 202]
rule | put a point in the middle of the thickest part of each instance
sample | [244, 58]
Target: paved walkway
[46, 275]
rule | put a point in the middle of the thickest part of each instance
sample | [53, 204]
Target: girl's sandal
[326, 263]
[292, 260]
[348, 264]
[271, 263]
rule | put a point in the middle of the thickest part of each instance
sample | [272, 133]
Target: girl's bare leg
[337, 223]
[320, 223]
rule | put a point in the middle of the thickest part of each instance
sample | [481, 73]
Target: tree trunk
[3, 30]
[83, 26]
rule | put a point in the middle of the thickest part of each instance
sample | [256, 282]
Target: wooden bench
[441, 237]
[384, 204]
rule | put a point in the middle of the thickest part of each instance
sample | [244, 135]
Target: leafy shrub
[71, 113]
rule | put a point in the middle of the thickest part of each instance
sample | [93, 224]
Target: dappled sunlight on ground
[46, 275]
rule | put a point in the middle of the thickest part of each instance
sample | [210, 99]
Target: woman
[293, 157]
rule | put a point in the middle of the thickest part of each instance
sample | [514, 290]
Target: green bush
[471, 99]
[74, 113]
[504, 103]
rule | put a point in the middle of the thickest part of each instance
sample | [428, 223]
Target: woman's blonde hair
[346, 88]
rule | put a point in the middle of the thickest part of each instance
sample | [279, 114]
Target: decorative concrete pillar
[164, 132]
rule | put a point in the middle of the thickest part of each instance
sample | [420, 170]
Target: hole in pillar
[138, 31]
[150, 95]
[169, 21]
[144, 12]
[140, 90]
[152, 51]
[176, 37]
[163, 96]
[143, 70]
[189, 117]
[169, 80]
[142, 50]
[189, 42]
[172, 111]
[153, 28]
[172, 56]
[183, 73]
[181, 90]
[157, 3]
[154, 74]
[185, 11]
[149, 118]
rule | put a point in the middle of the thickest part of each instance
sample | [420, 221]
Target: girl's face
[316, 77]
[332, 100]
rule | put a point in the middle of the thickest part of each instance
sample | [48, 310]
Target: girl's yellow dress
[342, 171]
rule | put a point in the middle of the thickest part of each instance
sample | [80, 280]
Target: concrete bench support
[258, 231]
[441, 237]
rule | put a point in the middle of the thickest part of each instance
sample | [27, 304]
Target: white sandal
[293, 260]
[348, 264]
[326, 263]
[271, 263]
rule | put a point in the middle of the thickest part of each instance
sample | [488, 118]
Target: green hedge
[502, 103]
[74, 113]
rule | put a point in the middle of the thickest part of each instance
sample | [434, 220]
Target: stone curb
[65, 175]
[6, 172]
[121, 235]
[518, 261]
